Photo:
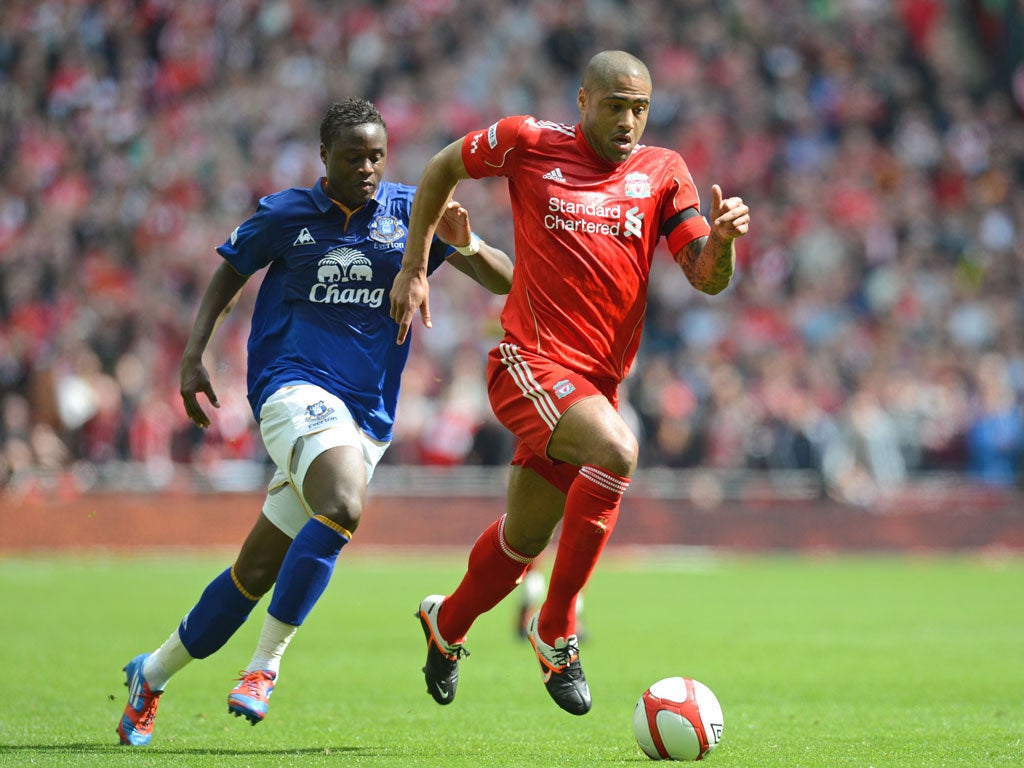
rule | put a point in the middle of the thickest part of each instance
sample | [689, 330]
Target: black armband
[677, 219]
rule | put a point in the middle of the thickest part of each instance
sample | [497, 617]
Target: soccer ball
[677, 719]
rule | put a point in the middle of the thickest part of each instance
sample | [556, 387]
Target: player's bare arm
[709, 262]
[218, 300]
[410, 292]
[487, 265]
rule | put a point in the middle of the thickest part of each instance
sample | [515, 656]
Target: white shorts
[298, 423]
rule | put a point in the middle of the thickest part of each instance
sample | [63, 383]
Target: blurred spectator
[995, 434]
[882, 145]
[862, 463]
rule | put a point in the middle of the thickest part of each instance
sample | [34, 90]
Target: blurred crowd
[875, 328]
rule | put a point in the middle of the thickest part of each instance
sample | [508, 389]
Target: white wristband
[472, 248]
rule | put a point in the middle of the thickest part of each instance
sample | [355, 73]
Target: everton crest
[318, 412]
[386, 229]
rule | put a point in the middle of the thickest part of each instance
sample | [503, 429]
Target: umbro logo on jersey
[554, 175]
[304, 238]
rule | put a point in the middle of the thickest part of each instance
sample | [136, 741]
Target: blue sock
[306, 570]
[221, 610]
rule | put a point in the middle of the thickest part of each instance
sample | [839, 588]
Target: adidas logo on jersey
[304, 238]
[554, 175]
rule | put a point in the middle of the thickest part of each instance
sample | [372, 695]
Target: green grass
[883, 662]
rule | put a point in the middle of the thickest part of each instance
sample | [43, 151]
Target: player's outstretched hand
[409, 293]
[195, 379]
[454, 228]
[730, 218]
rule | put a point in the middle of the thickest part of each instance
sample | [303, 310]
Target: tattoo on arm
[708, 263]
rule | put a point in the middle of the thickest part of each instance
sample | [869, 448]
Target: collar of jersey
[325, 203]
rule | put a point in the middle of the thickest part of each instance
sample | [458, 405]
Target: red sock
[591, 508]
[494, 570]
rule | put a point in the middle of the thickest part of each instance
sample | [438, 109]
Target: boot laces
[255, 683]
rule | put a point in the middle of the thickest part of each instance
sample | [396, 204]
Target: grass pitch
[884, 662]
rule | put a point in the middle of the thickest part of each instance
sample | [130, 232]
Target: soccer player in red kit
[589, 205]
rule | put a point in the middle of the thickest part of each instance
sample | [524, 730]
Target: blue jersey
[322, 315]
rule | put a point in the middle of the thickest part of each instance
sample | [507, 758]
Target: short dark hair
[348, 114]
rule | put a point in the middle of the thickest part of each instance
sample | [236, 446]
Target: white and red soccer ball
[677, 719]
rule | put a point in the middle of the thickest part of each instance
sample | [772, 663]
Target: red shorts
[529, 394]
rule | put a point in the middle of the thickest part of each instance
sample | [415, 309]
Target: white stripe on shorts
[531, 390]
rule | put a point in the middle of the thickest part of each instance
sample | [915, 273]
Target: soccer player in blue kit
[323, 382]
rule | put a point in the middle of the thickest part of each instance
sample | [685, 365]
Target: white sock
[165, 661]
[274, 638]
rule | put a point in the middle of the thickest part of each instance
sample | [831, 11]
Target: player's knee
[333, 490]
[618, 453]
[593, 433]
[343, 508]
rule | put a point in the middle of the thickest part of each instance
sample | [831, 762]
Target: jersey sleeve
[246, 249]
[490, 151]
[682, 222]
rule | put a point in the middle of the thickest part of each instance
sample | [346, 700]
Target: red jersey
[585, 236]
